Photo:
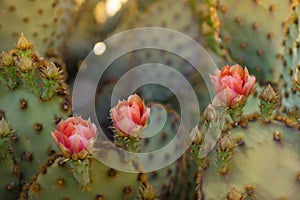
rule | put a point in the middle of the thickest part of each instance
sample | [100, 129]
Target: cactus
[45, 22]
[10, 171]
[290, 61]
[250, 153]
[58, 182]
[33, 99]
[248, 38]
[256, 156]
[161, 180]
[163, 14]
[264, 164]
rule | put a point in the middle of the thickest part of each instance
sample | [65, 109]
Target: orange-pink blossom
[232, 83]
[130, 117]
[75, 137]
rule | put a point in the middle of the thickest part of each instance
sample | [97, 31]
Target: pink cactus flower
[232, 84]
[75, 137]
[130, 117]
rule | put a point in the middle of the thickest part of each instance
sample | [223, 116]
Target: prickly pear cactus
[245, 34]
[44, 22]
[290, 78]
[264, 165]
[9, 169]
[33, 98]
[260, 147]
[163, 14]
[103, 182]
[161, 180]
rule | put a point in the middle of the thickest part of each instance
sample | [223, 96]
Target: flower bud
[4, 128]
[25, 64]
[147, 192]
[23, 44]
[210, 114]
[51, 71]
[234, 194]
[268, 103]
[226, 143]
[199, 137]
[232, 82]
[130, 117]
[6, 59]
[75, 137]
[268, 94]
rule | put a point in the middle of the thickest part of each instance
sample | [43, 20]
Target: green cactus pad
[166, 14]
[265, 164]
[291, 58]
[57, 182]
[250, 33]
[33, 99]
[33, 126]
[162, 180]
[9, 169]
[45, 22]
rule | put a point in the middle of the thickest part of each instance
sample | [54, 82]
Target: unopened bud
[24, 64]
[4, 128]
[210, 114]
[226, 143]
[234, 194]
[6, 59]
[51, 71]
[198, 139]
[147, 192]
[23, 44]
[268, 94]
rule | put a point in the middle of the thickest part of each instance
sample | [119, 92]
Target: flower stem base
[80, 169]
[131, 144]
[236, 110]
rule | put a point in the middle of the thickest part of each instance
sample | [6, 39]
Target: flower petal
[227, 96]
[246, 75]
[225, 71]
[248, 87]
[145, 117]
[136, 131]
[65, 151]
[136, 99]
[237, 69]
[77, 144]
[232, 83]
[126, 125]
[134, 113]
[216, 82]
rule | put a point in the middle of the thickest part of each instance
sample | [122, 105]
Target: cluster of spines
[34, 99]
[23, 67]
